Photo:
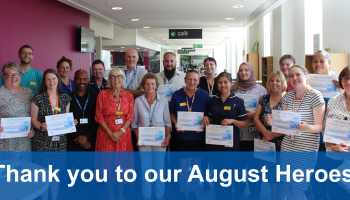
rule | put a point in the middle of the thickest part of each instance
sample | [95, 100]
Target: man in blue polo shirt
[30, 77]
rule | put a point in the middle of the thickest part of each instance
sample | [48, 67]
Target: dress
[15, 105]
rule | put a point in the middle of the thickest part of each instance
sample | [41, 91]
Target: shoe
[180, 196]
[192, 196]
[206, 186]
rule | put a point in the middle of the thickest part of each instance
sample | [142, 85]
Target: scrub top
[232, 108]
[68, 89]
[200, 104]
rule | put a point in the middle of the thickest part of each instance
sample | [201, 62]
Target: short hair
[192, 71]
[344, 73]
[280, 75]
[115, 71]
[210, 59]
[226, 75]
[305, 71]
[12, 65]
[43, 87]
[81, 70]
[325, 52]
[64, 59]
[25, 46]
[169, 52]
[98, 61]
[149, 75]
[287, 56]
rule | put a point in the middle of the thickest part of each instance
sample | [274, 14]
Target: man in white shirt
[170, 75]
[133, 73]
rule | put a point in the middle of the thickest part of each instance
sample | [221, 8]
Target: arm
[336, 84]
[168, 135]
[318, 121]
[250, 114]
[34, 112]
[260, 126]
[174, 120]
[239, 124]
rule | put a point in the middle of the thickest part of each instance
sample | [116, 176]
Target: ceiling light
[134, 20]
[112, 50]
[122, 47]
[229, 18]
[167, 41]
[238, 6]
[116, 8]
[164, 39]
[146, 27]
[121, 50]
[224, 26]
[138, 48]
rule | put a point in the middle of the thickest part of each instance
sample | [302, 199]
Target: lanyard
[118, 102]
[149, 113]
[194, 96]
[171, 80]
[126, 77]
[300, 100]
[102, 86]
[85, 103]
[52, 107]
[211, 90]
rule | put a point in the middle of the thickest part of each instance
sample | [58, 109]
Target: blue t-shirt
[232, 108]
[200, 104]
[68, 88]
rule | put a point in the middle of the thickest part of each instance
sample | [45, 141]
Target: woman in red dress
[114, 114]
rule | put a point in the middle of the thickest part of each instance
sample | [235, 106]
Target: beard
[25, 63]
[169, 73]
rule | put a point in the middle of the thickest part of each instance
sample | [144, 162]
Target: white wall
[298, 31]
[276, 37]
[220, 56]
[256, 31]
[102, 28]
[121, 37]
[145, 42]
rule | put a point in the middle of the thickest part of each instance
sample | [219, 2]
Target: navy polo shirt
[93, 87]
[200, 104]
[217, 112]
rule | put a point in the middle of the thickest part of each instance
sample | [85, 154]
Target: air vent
[264, 6]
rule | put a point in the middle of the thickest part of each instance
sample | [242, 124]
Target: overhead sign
[182, 52]
[188, 49]
[185, 33]
[197, 45]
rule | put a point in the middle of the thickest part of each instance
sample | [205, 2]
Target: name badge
[32, 83]
[119, 113]
[55, 138]
[83, 120]
[57, 109]
[183, 104]
[251, 127]
[227, 108]
[118, 121]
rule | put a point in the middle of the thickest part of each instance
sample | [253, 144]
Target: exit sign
[197, 46]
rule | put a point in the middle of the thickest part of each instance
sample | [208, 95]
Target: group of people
[107, 112]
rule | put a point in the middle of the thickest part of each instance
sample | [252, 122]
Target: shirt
[93, 87]
[289, 87]
[177, 79]
[32, 80]
[200, 104]
[244, 132]
[135, 82]
[161, 114]
[89, 129]
[68, 88]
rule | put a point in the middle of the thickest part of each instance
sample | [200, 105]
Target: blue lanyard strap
[149, 112]
[87, 100]
[126, 77]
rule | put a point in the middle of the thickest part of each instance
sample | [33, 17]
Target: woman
[98, 83]
[247, 85]
[152, 110]
[189, 99]
[225, 109]
[14, 102]
[262, 120]
[64, 66]
[286, 62]
[310, 104]
[338, 108]
[208, 82]
[50, 100]
[114, 114]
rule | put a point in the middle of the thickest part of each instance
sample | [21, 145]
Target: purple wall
[48, 26]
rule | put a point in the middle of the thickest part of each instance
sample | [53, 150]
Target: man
[133, 73]
[98, 83]
[170, 75]
[30, 77]
[83, 106]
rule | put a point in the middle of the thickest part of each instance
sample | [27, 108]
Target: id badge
[83, 120]
[251, 127]
[55, 138]
[292, 138]
[118, 121]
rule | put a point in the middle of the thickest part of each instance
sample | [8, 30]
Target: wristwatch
[122, 130]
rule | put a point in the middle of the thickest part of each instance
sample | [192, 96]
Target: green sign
[197, 46]
[173, 33]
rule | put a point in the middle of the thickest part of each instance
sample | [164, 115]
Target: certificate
[167, 91]
[324, 83]
[250, 101]
[219, 135]
[265, 150]
[15, 127]
[337, 131]
[190, 121]
[60, 124]
[285, 122]
[153, 136]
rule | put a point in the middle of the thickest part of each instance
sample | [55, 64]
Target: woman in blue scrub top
[189, 99]
[64, 66]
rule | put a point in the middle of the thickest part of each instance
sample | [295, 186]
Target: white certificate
[265, 150]
[15, 127]
[250, 101]
[324, 83]
[219, 135]
[60, 124]
[285, 122]
[337, 131]
[153, 136]
[167, 91]
[190, 121]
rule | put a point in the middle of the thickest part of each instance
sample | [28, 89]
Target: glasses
[345, 79]
[118, 77]
[13, 75]
[26, 53]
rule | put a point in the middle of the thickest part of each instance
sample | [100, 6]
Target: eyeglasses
[26, 53]
[13, 75]
[345, 79]
[118, 77]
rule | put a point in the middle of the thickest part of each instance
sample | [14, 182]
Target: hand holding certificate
[15, 127]
[190, 121]
[167, 91]
[337, 131]
[250, 101]
[60, 124]
[219, 135]
[286, 122]
[265, 150]
[324, 83]
[153, 136]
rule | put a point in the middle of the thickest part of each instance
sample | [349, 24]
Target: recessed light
[122, 47]
[145, 49]
[112, 50]
[134, 20]
[224, 26]
[138, 48]
[146, 27]
[121, 50]
[229, 18]
[164, 39]
[238, 6]
[167, 41]
[116, 8]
